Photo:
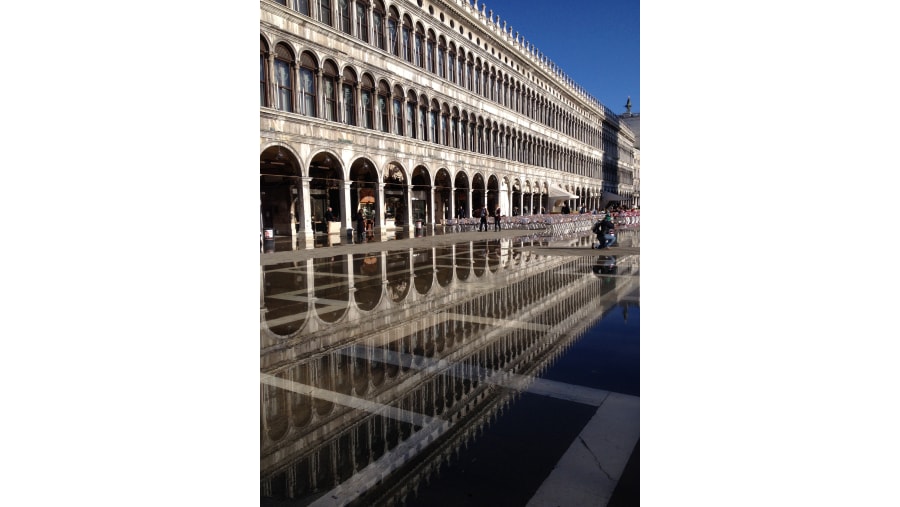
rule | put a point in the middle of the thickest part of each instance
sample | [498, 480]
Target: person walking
[360, 225]
[483, 214]
[497, 219]
[459, 213]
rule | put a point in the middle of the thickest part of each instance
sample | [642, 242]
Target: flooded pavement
[468, 369]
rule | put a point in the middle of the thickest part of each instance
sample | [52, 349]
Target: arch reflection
[284, 314]
[367, 271]
[423, 269]
[329, 280]
[398, 281]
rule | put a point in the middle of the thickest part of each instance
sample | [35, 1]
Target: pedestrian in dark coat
[607, 233]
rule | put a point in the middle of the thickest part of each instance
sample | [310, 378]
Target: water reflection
[377, 367]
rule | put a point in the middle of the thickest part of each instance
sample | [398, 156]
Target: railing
[550, 225]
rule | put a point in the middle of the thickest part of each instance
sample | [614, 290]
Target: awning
[557, 193]
[366, 195]
[609, 196]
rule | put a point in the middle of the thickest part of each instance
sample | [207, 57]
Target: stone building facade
[419, 110]
[633, 122]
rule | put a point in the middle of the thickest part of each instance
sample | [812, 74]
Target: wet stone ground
[453, 372]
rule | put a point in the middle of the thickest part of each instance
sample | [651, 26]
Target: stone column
[307, 234]
[379, 209]
[339, 100]
[346, 216]
[272, 89]
[453, 201]
[429, 219]
[371, 25]
[410, 222]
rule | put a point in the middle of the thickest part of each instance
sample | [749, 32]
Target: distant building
[406, 110]
[633, 122]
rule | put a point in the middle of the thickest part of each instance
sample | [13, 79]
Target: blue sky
[595, 42]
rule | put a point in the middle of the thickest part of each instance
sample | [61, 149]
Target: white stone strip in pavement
[588, 472]
[280, 321]
[522, 383]
[568, 392]
[504, 323]
[288, 296]
[348, 401]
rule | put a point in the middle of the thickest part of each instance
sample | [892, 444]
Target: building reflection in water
[377, 367]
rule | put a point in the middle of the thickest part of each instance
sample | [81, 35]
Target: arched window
[495, 142]
[344, 18]
[378, 19]
[442, 59]
[429, 54]
[302, 6]
[433, 122]
[384, 98]
[454, 129]
[464, 131]
[423, 120]
[348, 95]
[367, 96]
[491, 140]
[507, 146]
[398, 111]
[405, 40]
[517, 104]
[263, 73]
[308, 71]
[411, 113]
[284, 78]
[451, 64]
[325, 11]
[419, 48]
[394, 33]
[493, 87]
[362, 20]
[478, 77]
[480, 137]
[445, 125]
[330, 89]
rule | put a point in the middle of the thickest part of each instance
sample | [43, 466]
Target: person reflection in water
[605, 265]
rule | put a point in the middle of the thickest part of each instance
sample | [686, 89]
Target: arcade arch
[396, 194]
[279, 184]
